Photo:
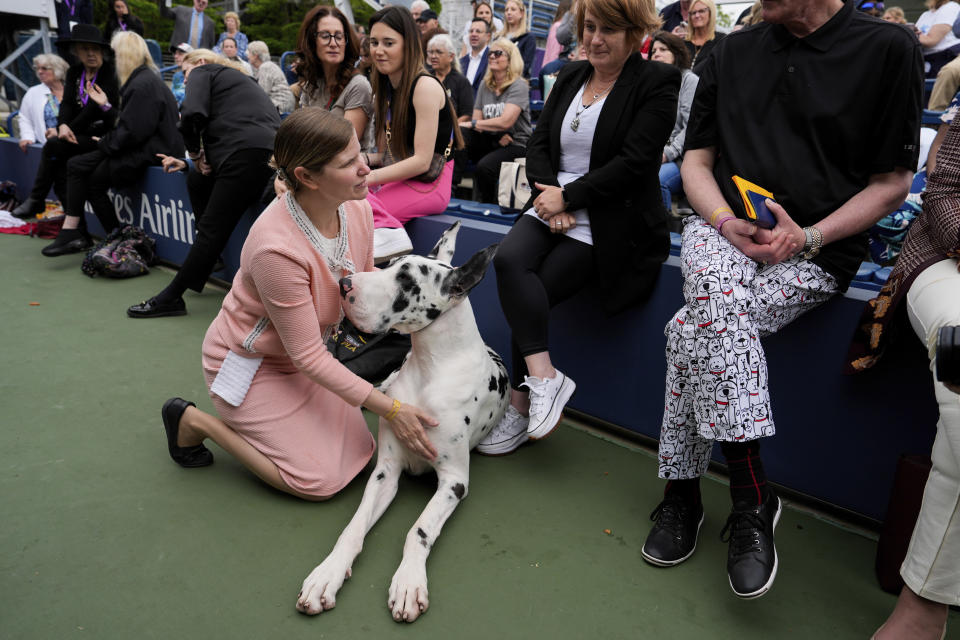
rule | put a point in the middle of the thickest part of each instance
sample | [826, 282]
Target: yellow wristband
[393, 410]
[718, 211]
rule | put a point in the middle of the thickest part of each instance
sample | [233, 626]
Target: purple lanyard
[123, 26]
[70, 6]
[84, 96]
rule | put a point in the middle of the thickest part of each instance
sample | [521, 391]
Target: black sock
[748, 481]
[688, 489]
[173, 291]
[68, 235]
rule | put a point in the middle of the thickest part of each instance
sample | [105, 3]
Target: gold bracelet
[393, 410]
[718, 211]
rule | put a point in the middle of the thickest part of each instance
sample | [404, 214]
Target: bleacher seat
[285, 60]
[155, 51]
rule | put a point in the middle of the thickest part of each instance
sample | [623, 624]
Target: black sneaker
[673, 538]
[752, 557]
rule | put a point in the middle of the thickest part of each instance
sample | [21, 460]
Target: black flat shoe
[29, 208]
[67, 243]
[153, 308]
[195, 456]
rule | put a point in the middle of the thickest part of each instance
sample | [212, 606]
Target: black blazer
[621, 192]
[481, 70]
[90, 120]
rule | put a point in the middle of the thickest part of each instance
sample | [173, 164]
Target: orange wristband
[393, 410]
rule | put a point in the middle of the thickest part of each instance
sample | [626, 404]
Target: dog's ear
[443, 250]
[461, 280]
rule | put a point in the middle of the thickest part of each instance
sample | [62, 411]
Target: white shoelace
[539, 397]
[508, 424]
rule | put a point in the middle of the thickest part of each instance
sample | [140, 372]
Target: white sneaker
[510, 433]
[390, 243]
[548, 397]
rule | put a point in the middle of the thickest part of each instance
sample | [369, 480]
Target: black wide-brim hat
[85, 33]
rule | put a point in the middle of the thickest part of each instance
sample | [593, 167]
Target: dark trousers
[219, 201]
[88, 178]
[537, 270]
[52, 171]
[485, 151]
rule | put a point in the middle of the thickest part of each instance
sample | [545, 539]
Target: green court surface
[103, 536]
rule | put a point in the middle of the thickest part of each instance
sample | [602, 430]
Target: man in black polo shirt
[820, 105]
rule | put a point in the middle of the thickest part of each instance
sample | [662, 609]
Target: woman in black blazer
[596, 215]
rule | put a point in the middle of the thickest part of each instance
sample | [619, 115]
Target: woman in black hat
[80, 120]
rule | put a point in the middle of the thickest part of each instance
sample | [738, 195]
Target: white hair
[446, 42]
[419, 4]
[59, 65]
[258, 49]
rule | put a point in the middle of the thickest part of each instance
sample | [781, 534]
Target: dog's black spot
[436, 279]
[424, 543]
[502, 383]
[381, 476]
[424, 269]
[466, 419]
[404, 267]
[493, 384]
[352, 299]
[421, 533]
[433, 313]
[458, 490]
[400, 303]
[490, 417]
[457, 437]
[474, 398]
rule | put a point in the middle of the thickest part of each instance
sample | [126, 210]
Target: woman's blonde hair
[310, 138]
[521, 28]
[195, 56]
[514, 68]
[897, 14]
[711, 27]
[258, 49]
[58, 64]
[131, 52]
[637, 18]
[231, 14]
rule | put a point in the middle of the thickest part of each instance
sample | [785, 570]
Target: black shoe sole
[157, 314]
[657, 562]
[776, 563]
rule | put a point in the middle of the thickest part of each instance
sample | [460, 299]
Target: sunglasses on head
[497, 53]
[871, 5]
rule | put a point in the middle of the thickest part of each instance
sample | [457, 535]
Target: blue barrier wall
[838, 437]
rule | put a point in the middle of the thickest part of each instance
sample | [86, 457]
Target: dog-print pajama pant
[716, 387]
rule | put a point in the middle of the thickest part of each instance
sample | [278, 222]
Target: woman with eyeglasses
[442, 58]
[328, 75]
[415, 132]
[500, 127]
[934, 29]
[702, 35]
[41, 103]
[595, 217]
[517, 30]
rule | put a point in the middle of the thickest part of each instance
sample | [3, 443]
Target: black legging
[219, 201]
[52, 171]
[88, 178]
[484, 150]
[537, 270]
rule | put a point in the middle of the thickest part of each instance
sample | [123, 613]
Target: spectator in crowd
[296, 421]
[177, 85]
[270, 77]
[330, 79]
[481, 9]
[415, 130]
[751, 16]
[474, 64]
[228, 49]
[925, 284]
[675, 14]
[231, 24]
[595, 218]
[703, 33]
[500, 127]
[442, 56]
[946, 86]
[146, 127]
[429, 26]
[295, 68]
[895, 14]
[41, 103]
[122, 20]
[80, 119]
[417, 7]
[752, 281]
[934, 29]
[70, 14]
[670, 49]
[228, 124]
[190, 24]
[365, 63]
[566, 37]
[554, 47]
[518, 32]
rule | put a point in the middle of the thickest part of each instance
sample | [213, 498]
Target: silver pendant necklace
[575, 123]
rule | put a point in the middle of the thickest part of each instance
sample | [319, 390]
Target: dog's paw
[319, 591]
[408, 593]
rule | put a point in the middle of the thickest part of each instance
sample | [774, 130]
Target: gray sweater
[688, 87]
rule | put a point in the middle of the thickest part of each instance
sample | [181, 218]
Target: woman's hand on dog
[409, 425]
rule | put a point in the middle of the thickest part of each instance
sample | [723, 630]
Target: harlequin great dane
[453, 376]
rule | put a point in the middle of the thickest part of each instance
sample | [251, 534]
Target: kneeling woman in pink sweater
[290, 411]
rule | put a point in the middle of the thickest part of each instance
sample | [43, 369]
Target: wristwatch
[473, 124]
[563, 194]
[814, 240]
[106, 106]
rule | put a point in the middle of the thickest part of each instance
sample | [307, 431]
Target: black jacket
[133, 23]
[89, 120]
[147, 126]
[621, 192]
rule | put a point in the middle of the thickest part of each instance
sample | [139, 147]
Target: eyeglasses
[495, 53]
[43, 68]
[700, 12]
[325, 37]
[435, 52]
